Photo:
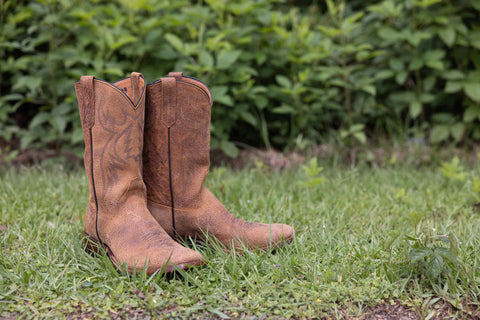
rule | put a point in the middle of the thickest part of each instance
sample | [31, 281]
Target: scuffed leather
[124, 223]
[197, 210]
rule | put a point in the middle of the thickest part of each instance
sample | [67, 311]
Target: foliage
[453, 170]
[290, 75]
[312, 171]
[429, 254]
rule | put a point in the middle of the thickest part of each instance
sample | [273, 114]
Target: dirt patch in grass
[384, 311]
[398, 311]
[413, 154]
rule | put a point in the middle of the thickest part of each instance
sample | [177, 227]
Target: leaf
[39, 119]
[20, 16]
[283, 81]
[329, 31]
[370, 89]
[446, 254]
[453, 75]
[443, 238]
[435, 265]
[401, 77]
[175, 41]
[471, 113]
[248, 117]
[30, 82]
[474, 38]
[416, 37]
[389, 34]
[384, 74]
[429, 82]
[357, 127]
[415, 217]
[76, 136]
[418, 254]
[284, 109]
[435, 64]
[361, 137]
[415, 64]
[472, 90]
[219, 94]
[453, 86]
[427, 97]
[457, 131]
[225, 59]
[312, 182]
[260, 57]
[443, 117]
[218, 91]
[312, 169]
[447, 35]
[226, 100]
[12, 97]
[229, 148]
[396, 65]
[60, 123]
[303, 76]
[415, 109]
[439, 133]
[433, 59]
[218, 313]
[206, 59]
[26, 140]
[113, 71]
[122, 41]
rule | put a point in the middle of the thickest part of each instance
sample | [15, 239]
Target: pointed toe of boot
[281, 234]
[178, 258]
[165, 258]
[185, 258]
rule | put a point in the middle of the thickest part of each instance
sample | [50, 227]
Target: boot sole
[202, 242]
[94, 247]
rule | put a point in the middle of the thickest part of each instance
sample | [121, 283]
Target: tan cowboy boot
[117, 216]
[176, 161]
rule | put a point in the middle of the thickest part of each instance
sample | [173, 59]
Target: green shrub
[291, 75]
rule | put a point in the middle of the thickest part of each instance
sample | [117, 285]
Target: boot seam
[93, 187]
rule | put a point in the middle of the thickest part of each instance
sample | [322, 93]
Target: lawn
[368, 240]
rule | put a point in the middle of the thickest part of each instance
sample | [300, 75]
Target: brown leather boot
[117, 216]
[176, 161]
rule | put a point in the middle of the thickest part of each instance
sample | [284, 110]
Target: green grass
[350, 250]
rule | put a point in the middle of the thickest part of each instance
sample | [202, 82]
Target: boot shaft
[177, 140]
[112, 116]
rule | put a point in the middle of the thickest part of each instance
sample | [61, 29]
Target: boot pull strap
[134, 79]
[87, 100]
[176, 75]
[169, 101]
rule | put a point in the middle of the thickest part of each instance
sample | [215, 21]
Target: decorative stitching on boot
[171, 184]
[93, 187]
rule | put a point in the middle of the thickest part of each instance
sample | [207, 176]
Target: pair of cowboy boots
[146, 158]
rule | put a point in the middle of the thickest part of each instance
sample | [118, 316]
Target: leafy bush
[288, 74]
